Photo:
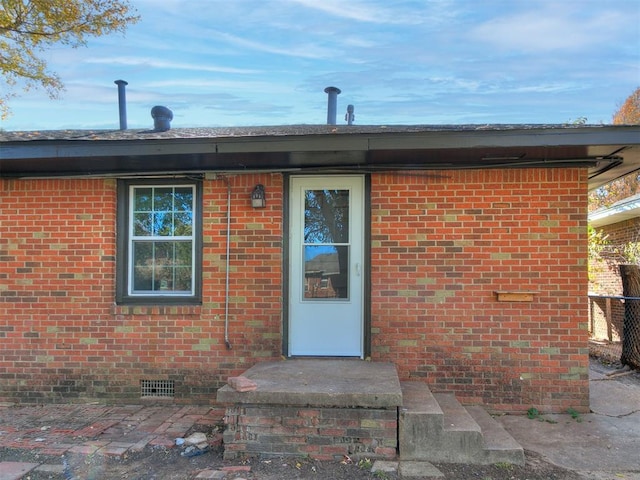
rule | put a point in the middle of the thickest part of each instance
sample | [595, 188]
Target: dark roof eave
[320, 141]
[609, 151]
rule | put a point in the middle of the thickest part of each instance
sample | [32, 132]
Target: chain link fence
[613, 320]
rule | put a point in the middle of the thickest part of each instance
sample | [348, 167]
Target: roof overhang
[625, 209]
[608, 151]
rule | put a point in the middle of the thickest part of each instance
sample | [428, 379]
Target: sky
[220, 63]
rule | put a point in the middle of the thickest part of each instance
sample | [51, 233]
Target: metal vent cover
[157, 388]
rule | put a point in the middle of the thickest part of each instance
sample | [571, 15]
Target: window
[159, 242]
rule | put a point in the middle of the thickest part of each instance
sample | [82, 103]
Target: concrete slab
[613, 398]
[419, 470]
[603, 443]
[597, 443]
[384, 466]
[15, 470]
[320, 382]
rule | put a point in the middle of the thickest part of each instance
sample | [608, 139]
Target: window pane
[183, 252]
[142, 224]
[183, 224]
[326, 216]
[143, 200]
[183, 199]
[163, 224]
[182, 280]
[163, 252]
[326, 271]
[162, 266]
[143, 266]
[163, 199]
[163, 277]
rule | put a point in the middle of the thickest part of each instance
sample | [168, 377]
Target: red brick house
[134, 265]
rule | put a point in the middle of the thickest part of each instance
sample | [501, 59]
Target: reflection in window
[162, 266]
[326, 244]
[324, 277]
[162, 240]
[326, 216]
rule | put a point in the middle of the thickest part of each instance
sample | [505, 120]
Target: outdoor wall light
[257, 197]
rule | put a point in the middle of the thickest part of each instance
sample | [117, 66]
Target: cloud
[154, 63]
[389, 13]
[550, 27]
[215, 85]
[301, 50]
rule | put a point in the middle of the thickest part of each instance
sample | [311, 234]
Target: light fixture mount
[258, 199]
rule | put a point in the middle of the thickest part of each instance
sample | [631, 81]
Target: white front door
[326, 268]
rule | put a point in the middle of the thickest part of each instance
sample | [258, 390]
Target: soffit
[608, 151]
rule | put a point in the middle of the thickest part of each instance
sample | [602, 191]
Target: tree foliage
[28, 27]
[629, 111]
[629, 185]
[615, 191]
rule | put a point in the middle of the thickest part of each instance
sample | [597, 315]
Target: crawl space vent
[157, 388]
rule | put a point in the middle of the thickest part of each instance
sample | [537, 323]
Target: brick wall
[63, 338]
[443, 243]
[322, 433]
[607, 274]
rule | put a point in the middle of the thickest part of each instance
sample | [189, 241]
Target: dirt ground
[162, 464]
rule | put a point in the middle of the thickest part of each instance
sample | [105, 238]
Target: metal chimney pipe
[332, 106]
[350, 116]
[122, 103]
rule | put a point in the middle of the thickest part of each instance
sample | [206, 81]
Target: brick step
[437, 428]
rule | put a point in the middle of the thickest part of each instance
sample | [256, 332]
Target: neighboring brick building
[619, 225]
[463, 259]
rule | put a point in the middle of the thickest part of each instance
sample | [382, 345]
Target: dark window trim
[286, 246]
[122, 246]
[367, 266]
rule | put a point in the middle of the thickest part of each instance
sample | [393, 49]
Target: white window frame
[125, 268]
[132, 239]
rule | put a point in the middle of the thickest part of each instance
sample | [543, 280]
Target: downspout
[226, 295]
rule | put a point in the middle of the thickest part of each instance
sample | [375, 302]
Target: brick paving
[99, 429]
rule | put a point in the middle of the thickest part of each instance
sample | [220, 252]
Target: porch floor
[320, 382]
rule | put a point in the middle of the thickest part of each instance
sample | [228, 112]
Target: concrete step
[499, 445]
[437, 428]
[420, 419]
[461, 440]
[456, 417]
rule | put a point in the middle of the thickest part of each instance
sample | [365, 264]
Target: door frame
[366, 271]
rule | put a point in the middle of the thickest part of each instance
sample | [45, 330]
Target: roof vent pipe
[332, 105]
[122, 103]
[162, 117]
[350, 116]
